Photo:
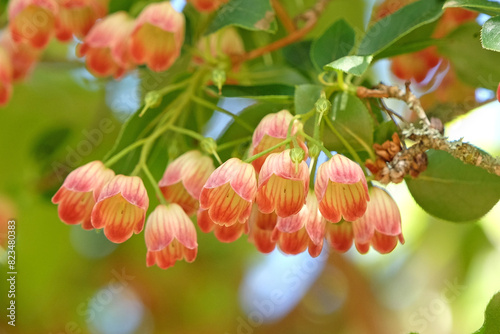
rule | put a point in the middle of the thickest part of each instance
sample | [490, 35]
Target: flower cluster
[269, 197]
[112, 45]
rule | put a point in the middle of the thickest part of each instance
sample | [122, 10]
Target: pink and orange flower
[184, 178]
[121, 208]
[157, 36]
[272, 130]
[33, 21]
[229, 192]
[22, 55]
[106, 46]
[304, 230]
[282, 185]
[261, 227]
[341, 189]
[223, 233]
[207, 5]
[76, 17]
[380, 227]
[5, 78]
[170, 236]
[79, 193]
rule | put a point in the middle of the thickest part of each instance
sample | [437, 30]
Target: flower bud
[322, 104]
[152, 99]
[314, 151]
[209, 145]
[219, 78]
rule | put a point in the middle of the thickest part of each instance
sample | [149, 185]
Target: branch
[283, 16]
[310, 17]
[383, 91]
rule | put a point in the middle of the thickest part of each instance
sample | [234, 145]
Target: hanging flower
[79, 192]
[282, 186]
[170, 236]
[184, 178]
[261, 228]
[207, 5]
[272, 130]
[22, 55]
[229, 192]
[222, 232]
[33, 21]
[306, 229]
[341, 189]
[76, 17]
[121, 208]
[5, 78]
[105, 46]
[157, 36]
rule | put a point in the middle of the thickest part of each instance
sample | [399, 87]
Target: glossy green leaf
[416, 40]
[336, 42]
[392, 27]
[490, 34]
[461, 47]
[384, 132]
[483, 6]
[251, 15]
[452, 190]
[355, 65]
[261, 92]
[349, 114]
[491, 317]
[305, 97]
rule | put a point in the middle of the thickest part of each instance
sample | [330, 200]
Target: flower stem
[187, 132]
[210, 105]
[114, 159]
[233, 143]
[154, 183]
[318, 143]
[346, 144]
[269, 150]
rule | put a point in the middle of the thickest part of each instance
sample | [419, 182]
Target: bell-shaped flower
[79, 193]
[261, 227]
[272, 130]
[229, 192]
[170, 236]
[380, 226]
[306, 229]
[76, 17]
[207, 5]
[106, 46]
[33, 21]
[22, 55]
[121, 208]
[157, 36]
[282, 185]
[5, 77]
[222, 232]
[184, 178]
[339, 236]
[341, 189]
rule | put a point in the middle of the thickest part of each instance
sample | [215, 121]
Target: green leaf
[392, 27]
[251, 15]
[490, 34]
[384, 132]
[461, 47]
[353, 121]
[452, 190]
[355, 65]
[483, 6]
[134, 129]
[261, 92]
[336, 42]
[305, 97]
[491, 317]
[349, 115]
[416, 40]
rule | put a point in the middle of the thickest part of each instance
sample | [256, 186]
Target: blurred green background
[75, 281]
